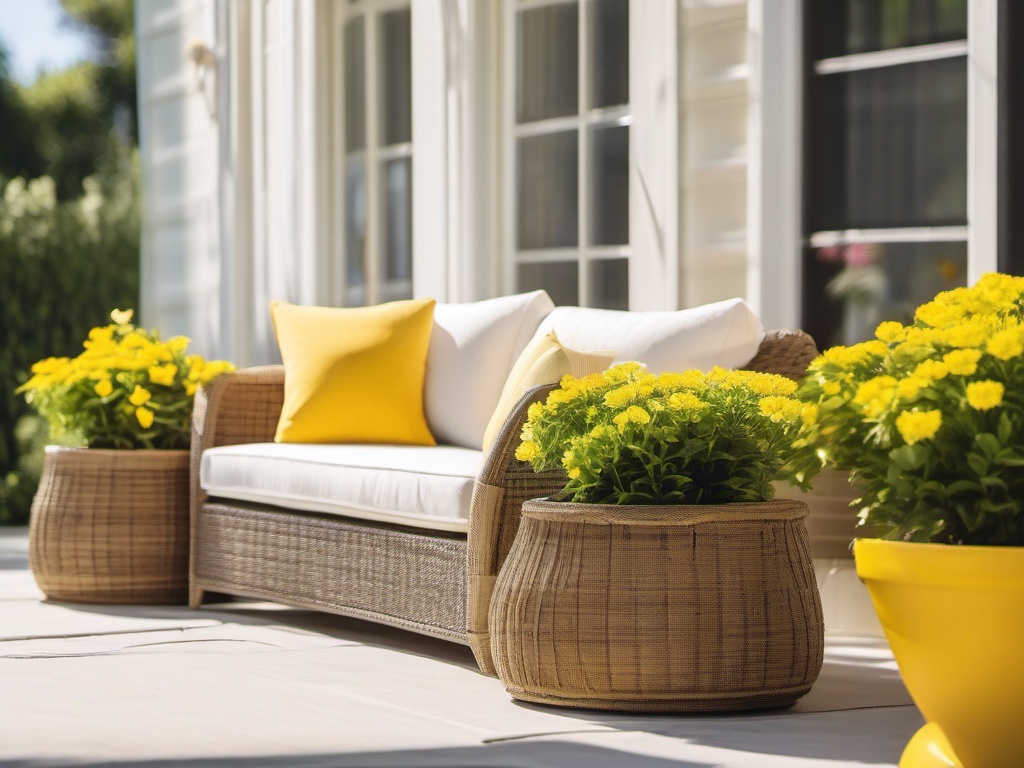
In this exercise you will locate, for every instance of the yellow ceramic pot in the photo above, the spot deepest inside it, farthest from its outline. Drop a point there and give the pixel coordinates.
(954, 616)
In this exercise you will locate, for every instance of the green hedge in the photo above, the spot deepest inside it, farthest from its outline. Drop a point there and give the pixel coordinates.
(63, 267)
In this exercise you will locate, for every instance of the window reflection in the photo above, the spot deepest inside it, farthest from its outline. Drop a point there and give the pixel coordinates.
(560, 279)
(547, 187)
(396, 77)
(889, 147)
(856, 26)
(609, 283)
(398, 220)
(867, 283)
(547, 52)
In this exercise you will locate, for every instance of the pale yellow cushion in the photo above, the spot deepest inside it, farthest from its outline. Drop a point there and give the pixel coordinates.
(354, 375)
(544, 361)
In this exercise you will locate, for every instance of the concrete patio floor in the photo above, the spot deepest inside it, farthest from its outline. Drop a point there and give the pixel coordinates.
(255, 684)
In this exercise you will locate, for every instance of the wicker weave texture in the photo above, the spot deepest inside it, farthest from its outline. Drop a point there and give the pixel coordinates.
(659, 608)
(413, 579)
(112, 526)
(505, 483)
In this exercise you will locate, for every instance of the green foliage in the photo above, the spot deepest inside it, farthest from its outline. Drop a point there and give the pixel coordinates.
(629, 437)
(18, 148)
(110, 23)
(929, 418)
(63, 265)
(73, 135)
(75, 122)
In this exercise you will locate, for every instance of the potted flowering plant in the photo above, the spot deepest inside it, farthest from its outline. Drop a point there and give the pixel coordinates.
(626, 436)
(127, 389)
(664, 548)
(929, 419)
(110, 519)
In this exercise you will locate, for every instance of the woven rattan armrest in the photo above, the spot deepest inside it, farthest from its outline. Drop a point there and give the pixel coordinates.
(239, 407)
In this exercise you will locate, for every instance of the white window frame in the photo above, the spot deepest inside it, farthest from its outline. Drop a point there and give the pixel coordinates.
(585, 120)
(375, 289)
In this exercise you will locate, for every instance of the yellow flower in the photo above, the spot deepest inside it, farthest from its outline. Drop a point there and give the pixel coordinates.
(891, 331)
(527, 451)
(962, 362)
(1006, 344)
(809, 414)
(831, 388)
(139, 396)
(163, 374)
(634, 392)
(533, 412)
(876, 395)
(145, 417)
(915, 426)
(632, 415)
(931, 370)
(771, 384)
(623, 372)
(780, 408)
(908, 389)
(985, 395)
(574, 473)
(685, 401)
(122, 316)
(104, 387)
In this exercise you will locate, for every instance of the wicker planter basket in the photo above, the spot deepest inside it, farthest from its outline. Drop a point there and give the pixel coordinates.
(112, 526)
(659, 608)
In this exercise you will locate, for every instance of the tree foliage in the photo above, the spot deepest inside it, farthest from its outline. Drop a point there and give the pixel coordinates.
(69, 221)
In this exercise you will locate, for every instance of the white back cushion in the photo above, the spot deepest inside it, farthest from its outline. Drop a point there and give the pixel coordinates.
(726, 333)
(472, 350)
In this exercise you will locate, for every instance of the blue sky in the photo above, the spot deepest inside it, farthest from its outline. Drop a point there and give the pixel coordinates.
(32, 33)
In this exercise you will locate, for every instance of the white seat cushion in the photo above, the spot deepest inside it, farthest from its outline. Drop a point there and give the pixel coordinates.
(421, 486)
(726, 333)
(472, 350)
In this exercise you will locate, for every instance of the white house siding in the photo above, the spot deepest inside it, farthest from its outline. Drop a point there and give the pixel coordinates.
(180, 254)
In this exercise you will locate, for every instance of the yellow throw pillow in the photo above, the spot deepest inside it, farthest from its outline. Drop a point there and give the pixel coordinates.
(354, 375)
(544, 361)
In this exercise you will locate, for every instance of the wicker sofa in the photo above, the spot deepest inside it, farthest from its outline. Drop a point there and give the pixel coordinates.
(437, 582)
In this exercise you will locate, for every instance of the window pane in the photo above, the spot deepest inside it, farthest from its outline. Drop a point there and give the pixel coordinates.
(610, 21)
(547, 62)
(546, 190)
(355, 230)
(849, 290)
(396, 77)
(397, 175)
(855, 26)
(609, 186)
(888, 147)
(609, 284)
(560, 279)
(355, 85)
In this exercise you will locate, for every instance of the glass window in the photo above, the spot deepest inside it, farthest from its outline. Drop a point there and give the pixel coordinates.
(395, 53)
(609, 186)
(890, 146)
(849, 290)
(885, 161)
(568, 137)
(559, 278)
(843, 27)
(547, 82)
(609, 77)
(377, 108)
(547, 184)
